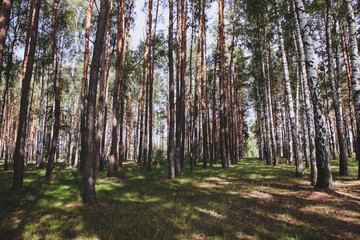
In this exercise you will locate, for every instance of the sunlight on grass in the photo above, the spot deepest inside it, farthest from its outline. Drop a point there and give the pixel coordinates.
(247, 201)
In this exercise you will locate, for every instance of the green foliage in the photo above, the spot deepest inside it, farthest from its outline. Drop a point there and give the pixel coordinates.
(160, 157)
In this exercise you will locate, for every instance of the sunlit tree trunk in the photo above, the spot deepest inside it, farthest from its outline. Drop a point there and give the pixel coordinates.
(84, 87)
(117, 88)
(171, 94)
(106, 96)
(222, 79)
(322, 154)
(307, 98)
(290, 103)
(348, 76)
(9, 76)
(355, 66)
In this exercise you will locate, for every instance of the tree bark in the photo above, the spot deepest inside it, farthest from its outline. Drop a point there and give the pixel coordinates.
(89, 195)
(171, 159)
(290, 103)
(84, 87)
(106, 100)
(322, 154)
(117, 88)
(51, 161)
(355, 67)
(20, 140)
(151, 90)
(307, 104)
(222, 79)
(335, 95)
(5, 12)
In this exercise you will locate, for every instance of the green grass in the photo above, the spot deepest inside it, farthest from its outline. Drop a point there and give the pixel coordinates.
(247, 201)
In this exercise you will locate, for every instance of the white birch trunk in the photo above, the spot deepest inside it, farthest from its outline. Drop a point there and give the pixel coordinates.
(307, 101)
(290, 103)
(322, 153)
(355, 67)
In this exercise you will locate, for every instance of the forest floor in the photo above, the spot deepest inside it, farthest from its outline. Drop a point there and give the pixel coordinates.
(247, 201)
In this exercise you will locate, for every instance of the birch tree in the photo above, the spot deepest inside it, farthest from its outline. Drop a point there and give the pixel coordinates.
(289, 98)
(355, 67)
(322, 153)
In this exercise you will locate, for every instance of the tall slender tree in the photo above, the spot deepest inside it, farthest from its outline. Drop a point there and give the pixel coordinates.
(89, 195)
(322, 153)
(355, 67)
(117, 87)
(54, 142)
(222, 80)
(171, 156)
(84, 86)
(335, 94)
(25, 88)
(289, 98)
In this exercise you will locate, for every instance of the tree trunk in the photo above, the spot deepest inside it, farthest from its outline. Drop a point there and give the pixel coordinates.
(222, 78)
(124, 83)
(20, 140)
(151, 90)
(171, 159)
(5, 12)
(335, 95)
(6, 133)
(290, 103)
(84, 87)
(355, 77)
(89, 195)
(117, 88)
(50, 165)
(100, 114)
(322, 154)
(103, 139)
(308, 105)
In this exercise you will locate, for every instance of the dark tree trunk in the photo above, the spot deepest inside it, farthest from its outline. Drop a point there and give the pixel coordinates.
(50, 165)
(20, 140)
(89, 195)
(5, 12)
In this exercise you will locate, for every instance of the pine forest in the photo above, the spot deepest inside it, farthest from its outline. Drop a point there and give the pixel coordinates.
(188, 119)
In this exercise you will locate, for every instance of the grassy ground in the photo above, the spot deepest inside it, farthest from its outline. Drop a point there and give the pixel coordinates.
(247, 201)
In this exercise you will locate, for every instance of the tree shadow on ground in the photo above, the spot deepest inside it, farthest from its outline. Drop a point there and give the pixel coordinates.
(248, 201)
